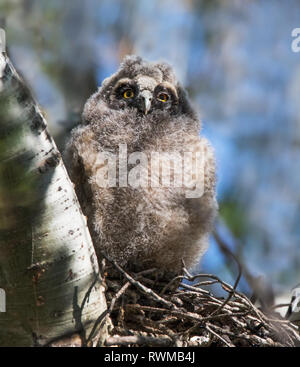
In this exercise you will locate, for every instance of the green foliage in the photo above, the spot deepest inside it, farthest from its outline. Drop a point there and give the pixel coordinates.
(235, 216)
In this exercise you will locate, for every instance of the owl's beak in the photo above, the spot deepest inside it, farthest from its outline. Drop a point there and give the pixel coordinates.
(145, 104)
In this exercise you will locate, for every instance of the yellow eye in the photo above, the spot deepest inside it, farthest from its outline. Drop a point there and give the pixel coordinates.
(163, 97)
(128, 93)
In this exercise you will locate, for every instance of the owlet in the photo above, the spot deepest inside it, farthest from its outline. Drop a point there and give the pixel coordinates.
(144, 175)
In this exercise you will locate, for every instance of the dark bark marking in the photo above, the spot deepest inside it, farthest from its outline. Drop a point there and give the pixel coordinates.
(50, 162)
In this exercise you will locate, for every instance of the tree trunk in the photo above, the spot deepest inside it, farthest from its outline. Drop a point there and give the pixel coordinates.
(48, 267)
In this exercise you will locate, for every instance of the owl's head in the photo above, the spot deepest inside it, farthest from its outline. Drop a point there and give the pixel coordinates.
(144, 86)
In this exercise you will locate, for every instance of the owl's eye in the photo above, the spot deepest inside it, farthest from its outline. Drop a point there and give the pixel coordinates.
(128, 93)
(163, 97)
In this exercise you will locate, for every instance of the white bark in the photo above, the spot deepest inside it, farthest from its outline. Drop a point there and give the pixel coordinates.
(48, 267)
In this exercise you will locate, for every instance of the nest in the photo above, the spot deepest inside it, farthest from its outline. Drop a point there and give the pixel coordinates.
(149, 308)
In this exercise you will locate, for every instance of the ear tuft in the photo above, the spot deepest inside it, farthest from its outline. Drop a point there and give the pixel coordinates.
(167, 71)
(184, 103)
(130, 61)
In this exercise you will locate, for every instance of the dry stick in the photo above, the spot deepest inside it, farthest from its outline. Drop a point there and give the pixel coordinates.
(280, 305)
(139, 285)
(187, 315)
(217, 237)
(259, 314)
(241, 301)
(107, 312)
(237, 294)
(117, 296)
(195, 289)
(208, 282)
(219, 336)
(272, 325)
(160, 328)
(146, 272)
(228, 288)
(170, 283)
(265, 294)
(253, 338)
(225, 285)
(138, 339)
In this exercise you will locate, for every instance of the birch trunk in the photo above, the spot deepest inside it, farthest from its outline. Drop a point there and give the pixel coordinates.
(48, 267)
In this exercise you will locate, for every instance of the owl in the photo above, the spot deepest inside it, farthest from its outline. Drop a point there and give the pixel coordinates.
(117, 158)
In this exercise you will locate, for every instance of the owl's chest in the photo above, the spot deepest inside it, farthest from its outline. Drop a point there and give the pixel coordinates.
(142, 169)
(140, 134)
(143, 211)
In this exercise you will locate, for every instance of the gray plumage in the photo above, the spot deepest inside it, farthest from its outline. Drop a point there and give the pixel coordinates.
(142, 105)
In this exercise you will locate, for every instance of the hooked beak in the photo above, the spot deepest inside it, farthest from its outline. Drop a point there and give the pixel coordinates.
(145, 104)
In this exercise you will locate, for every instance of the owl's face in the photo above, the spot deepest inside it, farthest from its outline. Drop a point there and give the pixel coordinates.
(145, 94)
(144, 87)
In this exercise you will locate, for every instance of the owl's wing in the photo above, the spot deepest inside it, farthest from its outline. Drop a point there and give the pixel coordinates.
(209, 167)
(76, 157)
(201, 202)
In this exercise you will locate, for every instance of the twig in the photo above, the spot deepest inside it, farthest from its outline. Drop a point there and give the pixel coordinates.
(193, 315)
(139, 285)
(231, 293)
(138, 339)
(218, 336)
(184, 315)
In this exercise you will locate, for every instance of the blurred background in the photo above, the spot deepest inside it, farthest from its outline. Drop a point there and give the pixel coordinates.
(235, 59)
